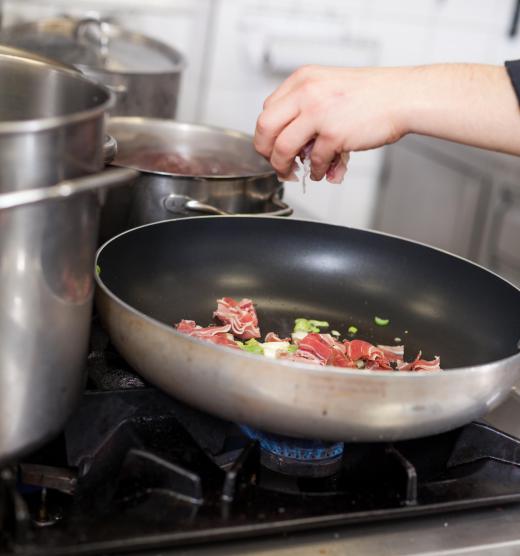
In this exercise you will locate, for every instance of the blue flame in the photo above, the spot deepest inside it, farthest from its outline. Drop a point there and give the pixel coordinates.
(295, 448)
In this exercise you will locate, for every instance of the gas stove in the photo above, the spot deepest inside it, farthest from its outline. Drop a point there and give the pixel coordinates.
(137, 470)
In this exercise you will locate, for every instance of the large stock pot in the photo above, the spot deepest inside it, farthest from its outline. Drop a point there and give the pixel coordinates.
(144, 73)
(51, 146)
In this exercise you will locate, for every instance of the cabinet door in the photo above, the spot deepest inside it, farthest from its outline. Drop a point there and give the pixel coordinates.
(430, 199)
(503, 242)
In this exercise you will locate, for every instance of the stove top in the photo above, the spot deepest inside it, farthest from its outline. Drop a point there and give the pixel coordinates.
(135, 469)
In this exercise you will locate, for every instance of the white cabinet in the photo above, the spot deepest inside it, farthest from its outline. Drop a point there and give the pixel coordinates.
(502, 242)
(463, 200)
(431, 199)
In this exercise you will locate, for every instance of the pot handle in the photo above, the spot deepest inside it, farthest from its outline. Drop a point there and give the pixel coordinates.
(283, 208)
(90, 31)
(178, 203)
(109, 149)
(68, 188)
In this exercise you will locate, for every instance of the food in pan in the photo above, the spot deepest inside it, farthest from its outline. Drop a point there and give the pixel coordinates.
(307, 344)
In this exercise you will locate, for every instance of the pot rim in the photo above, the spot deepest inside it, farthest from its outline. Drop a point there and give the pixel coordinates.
(135, 122)
(177, 58)
(51, 122)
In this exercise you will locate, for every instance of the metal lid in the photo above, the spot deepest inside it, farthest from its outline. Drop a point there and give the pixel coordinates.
(188, 150)
(94, 44)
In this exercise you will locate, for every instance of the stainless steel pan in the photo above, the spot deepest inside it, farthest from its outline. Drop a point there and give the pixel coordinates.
(153, 276)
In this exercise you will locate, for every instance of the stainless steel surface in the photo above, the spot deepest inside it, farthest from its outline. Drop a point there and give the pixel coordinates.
(179, 204)
(20, 53)
(298, 399)
(109, 149)
(159, 196)
(66, 189)
(51, 130)
(47, 246)
(491, 532)
(144, 74)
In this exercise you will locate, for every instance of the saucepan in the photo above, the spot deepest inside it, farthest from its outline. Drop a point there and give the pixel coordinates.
(187, 170)
(153, 276)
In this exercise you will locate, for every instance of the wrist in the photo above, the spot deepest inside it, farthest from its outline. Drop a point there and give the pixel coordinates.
(413, 99)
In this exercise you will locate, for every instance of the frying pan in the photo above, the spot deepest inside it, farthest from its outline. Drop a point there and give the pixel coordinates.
(153, 276)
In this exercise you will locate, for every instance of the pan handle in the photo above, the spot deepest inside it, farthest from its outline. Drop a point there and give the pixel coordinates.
(178, 203)
(68, 188)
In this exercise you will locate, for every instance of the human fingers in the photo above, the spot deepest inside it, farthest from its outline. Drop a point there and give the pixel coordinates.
(272, 121)
(338, 168)
(289, 143)
(324, 152)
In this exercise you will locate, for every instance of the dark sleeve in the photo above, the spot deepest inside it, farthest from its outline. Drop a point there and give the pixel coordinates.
(513, 70)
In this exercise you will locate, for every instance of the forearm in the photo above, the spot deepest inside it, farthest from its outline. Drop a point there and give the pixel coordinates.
(468, 103)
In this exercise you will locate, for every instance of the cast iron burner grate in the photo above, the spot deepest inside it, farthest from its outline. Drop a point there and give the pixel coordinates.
(137, 470)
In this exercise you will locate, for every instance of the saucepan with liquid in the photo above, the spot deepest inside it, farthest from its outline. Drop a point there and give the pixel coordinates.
(187, 170)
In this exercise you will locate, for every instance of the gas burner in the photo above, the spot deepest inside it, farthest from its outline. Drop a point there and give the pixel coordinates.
(297, 457)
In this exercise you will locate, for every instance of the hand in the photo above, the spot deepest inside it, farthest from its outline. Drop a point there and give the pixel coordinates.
(342, 109)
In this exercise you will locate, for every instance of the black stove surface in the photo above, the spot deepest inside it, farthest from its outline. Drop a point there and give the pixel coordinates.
(137, 470)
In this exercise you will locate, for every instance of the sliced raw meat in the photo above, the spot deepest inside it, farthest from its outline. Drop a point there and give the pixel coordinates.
(241, 315)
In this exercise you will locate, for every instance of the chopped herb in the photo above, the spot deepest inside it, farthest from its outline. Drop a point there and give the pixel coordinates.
(253, 346)
(352, 329)
(305, 325)
(98, 270)
(335, 333)
(381, 322)
(292, 349)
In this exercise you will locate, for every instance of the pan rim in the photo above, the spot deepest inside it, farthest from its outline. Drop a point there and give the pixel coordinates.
(130, 122)
(302, 367)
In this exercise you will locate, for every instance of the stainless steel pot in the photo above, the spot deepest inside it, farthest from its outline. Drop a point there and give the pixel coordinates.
(47, 248)
(248, 186)
(51, 124)
(51, 131)
(143, 73)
